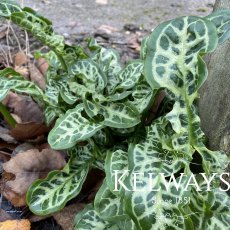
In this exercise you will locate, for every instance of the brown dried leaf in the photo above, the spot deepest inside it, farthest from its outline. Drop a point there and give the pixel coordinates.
(20, 59)
(28, 131)
(27, 167)
(65, 218)
(107, 29)
(36, 76)
(5, 135)
(134, 43)
(24, 107)
(23, 70)
(42, 65)
(15, 225)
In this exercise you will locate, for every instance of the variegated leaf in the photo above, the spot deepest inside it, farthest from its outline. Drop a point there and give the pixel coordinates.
(209, 209)
(144, 48)
(108, 205)
(119, 96)
(108, 60)
(90, 74)
(90, 219)
(172, 58)
(126, 224)
(123, 132)
(142, 97)
(145, 202)
(103, 137)
(221, 19)
(130, 75)
(11, 80)
(51, 57)
(115, 164)
(119, 115)
(72, 128)
(52, 92)
(52, 193)
(51, 113)
(173, 61)
(7, 7)
(40, 27)
(66, 94)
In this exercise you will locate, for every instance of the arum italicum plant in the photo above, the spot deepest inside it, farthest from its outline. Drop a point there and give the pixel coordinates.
(94, 100)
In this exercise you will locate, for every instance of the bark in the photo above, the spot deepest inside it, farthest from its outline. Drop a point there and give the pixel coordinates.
(214, 102)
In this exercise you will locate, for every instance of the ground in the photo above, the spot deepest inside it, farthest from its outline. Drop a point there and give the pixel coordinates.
(86, 16)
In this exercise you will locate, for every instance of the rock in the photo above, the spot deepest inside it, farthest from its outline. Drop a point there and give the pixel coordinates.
(131, 27)
(214, 106)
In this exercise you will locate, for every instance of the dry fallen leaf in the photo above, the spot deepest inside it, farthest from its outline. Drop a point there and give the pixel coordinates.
(20, 64)
(36, 76)
(134, 43)
(65, 217)
(24, 107)
(24, 71)
(27, 167)
(5, 135)
(15, 225)
(42, 65)
(28, 131)
(107, 29)
(20, 59)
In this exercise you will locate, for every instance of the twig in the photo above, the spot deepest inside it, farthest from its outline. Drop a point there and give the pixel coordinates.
(27, 44)
(5, 56)
(16, 38)
(7, 41)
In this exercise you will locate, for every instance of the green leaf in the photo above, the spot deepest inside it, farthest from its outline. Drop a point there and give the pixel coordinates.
(72, 128)
(52, 193)
(154, 155)
(130, 75)
(65, 92)
(108, 205)
(103, 137)
(144, 48)
(52, 59)
(90, 219)
(221, 20)
(90, 74)
(173, 54)
(8, 7)
(119, 96)
(209, 209)
(142, 97)
(119, 115)
(108, 60)
(11, 80)
(173, 62)
(40, 27)
(116, 161)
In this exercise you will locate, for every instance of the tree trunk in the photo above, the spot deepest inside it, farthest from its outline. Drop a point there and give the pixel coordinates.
(214, 102)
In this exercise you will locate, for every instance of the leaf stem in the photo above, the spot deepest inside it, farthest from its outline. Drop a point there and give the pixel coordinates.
(61, 59)
(7, 116)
